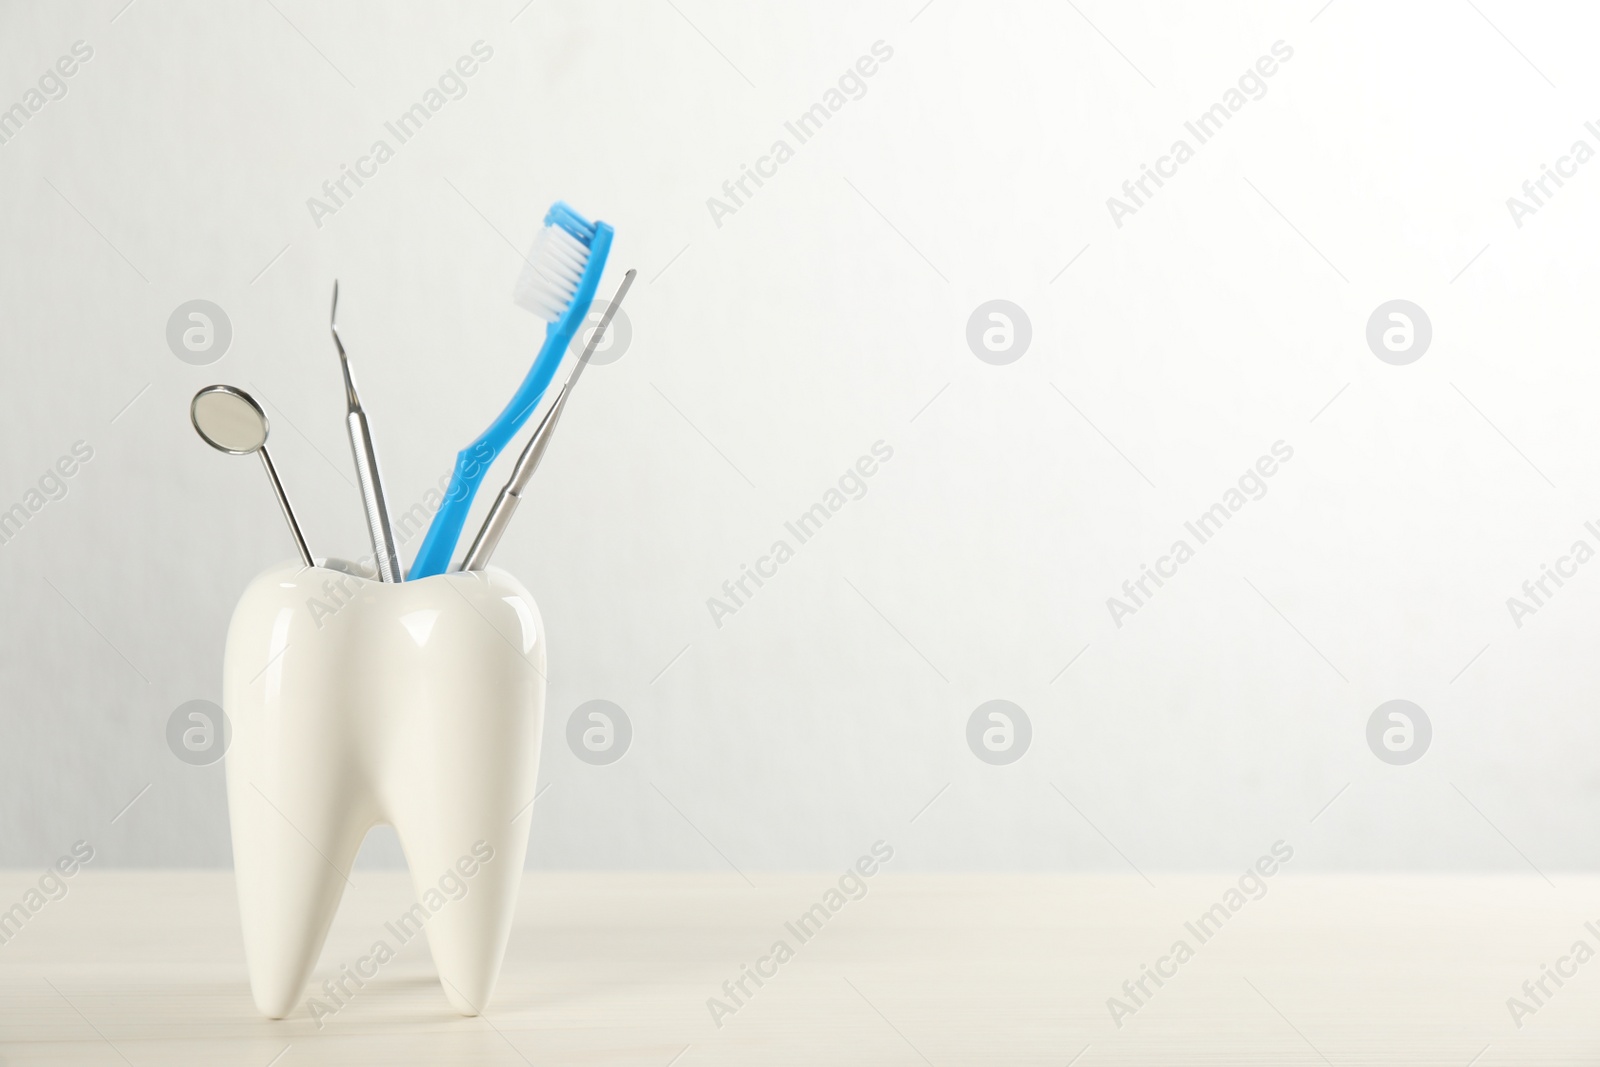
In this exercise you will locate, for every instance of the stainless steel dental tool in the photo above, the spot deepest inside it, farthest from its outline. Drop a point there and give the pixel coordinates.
(371, 484)
(229, 420)
(505, 505)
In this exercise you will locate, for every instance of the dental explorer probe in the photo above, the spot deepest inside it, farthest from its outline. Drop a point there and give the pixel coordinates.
(505, 505)
(383, 544)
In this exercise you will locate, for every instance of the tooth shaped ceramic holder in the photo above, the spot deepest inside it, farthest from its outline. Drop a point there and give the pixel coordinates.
(353, 703)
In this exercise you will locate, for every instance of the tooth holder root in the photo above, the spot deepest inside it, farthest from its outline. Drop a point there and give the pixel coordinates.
(355, 702)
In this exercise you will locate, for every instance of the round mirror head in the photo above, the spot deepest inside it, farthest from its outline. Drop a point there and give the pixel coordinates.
(229, 419)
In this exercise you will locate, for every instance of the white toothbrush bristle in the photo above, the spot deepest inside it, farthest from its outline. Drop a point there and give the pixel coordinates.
(549, 280)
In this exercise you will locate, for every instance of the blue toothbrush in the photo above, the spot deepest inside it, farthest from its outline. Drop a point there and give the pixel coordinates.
(558, 285)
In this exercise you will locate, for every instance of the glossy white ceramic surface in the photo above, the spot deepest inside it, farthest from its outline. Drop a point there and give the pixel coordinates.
(353, 703)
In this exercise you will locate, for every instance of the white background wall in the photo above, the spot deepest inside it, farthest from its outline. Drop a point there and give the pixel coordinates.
(771, 351)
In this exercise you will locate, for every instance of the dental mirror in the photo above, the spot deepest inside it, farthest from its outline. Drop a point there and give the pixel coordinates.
(229, 420)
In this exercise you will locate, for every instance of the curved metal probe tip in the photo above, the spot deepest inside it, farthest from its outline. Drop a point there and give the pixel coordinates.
(344, 360)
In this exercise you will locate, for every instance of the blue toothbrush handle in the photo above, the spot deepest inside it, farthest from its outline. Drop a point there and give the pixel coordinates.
(472, 463)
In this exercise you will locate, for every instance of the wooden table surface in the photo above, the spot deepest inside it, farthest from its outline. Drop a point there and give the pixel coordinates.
(147, 968)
